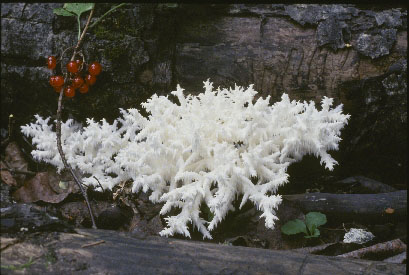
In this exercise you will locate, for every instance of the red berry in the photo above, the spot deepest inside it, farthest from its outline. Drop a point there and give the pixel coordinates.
(79, 62)
(56, 80)
(94, 68)
(77, 82)
(59, 80)
(72, 67)
(51, 62)
(69, 91)
(84, 89)
(52, 80)
(90, 79)
(57, 89)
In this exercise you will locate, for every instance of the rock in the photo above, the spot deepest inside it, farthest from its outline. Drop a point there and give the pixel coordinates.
(112, 218)
(376, 45)
(28, 217)
(329, 32)
(5, 198)
(380, 105)
(306, 14)
(389, 18)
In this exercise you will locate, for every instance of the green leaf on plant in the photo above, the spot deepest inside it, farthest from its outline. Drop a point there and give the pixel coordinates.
(294, 227)
(314, 235)
(78, 8)
(313, 220)
(63, 12)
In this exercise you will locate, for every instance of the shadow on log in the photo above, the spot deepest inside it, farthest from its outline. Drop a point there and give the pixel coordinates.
(383, 207)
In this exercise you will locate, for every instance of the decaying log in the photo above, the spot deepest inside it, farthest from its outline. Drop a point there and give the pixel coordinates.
(383, 207)
(397, 259)
(366, 183)
(124, 253)
(394, 246)
(312, 249)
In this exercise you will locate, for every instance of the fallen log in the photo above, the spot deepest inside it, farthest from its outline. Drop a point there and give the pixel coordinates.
(394, 246)
(367, 184)
(397, 259)
(383, 207)
(124, 253)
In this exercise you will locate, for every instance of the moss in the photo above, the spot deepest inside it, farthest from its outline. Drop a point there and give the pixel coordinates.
(114, 52)
(115, 27)
(102, 32)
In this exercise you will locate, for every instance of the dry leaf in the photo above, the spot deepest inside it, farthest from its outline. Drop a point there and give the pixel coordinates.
(6, 176)
(389, 210)
(39, 189)
(15, 160)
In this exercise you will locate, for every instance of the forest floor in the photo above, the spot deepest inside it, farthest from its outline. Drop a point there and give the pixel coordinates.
(44, 222)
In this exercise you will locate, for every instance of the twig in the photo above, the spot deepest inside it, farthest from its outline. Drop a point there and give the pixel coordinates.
(58, 127)
(92, 244)
(105, 14)
(395, 245)
(13, 171)
(99, 184)
(11, 124)
(10, 128)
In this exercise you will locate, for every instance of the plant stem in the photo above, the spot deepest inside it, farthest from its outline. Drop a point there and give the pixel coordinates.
(108, 12)
(79, 27)
(58, 126)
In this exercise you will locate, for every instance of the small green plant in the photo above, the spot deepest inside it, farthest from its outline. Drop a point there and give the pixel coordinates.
(74, 9)
(309, 227)
(19, 267)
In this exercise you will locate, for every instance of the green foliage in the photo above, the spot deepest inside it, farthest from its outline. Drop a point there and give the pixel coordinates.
(19, 267)
(294, 227)
(309, 227)
(73, 9)
(76, 9)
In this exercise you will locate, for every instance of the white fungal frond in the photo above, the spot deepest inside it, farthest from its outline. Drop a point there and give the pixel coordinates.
(205, 150)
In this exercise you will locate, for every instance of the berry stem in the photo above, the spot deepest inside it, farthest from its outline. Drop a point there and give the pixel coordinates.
(79, 27)
(58, 126)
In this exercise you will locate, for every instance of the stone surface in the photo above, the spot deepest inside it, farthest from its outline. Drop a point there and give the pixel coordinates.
(377, 136)
(307, 51)
(5, 198)
(376, 45)
(31, 218)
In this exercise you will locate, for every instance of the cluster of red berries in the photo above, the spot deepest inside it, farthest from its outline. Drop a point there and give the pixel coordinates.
(76, 80)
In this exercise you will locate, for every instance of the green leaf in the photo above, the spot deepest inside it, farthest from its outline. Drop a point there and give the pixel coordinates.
(316, 219)
(63, 12)
(315, 235)
(294, 227)
(78, 8)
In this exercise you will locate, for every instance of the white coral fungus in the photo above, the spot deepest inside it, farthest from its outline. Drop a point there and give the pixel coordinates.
(358, 235)
(209, 148)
